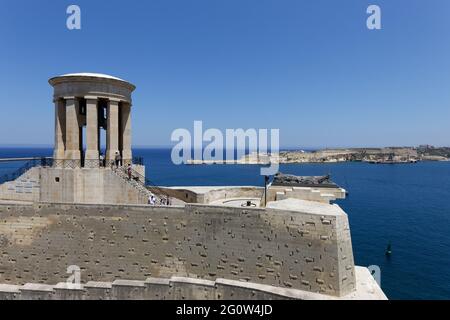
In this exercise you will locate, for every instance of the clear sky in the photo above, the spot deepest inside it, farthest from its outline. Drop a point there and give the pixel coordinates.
(308, 67)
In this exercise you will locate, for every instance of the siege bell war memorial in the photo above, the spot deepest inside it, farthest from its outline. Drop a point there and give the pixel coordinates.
(88, 209)
(93, 102)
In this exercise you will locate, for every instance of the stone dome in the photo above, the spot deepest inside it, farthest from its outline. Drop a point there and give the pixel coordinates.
(91, 84)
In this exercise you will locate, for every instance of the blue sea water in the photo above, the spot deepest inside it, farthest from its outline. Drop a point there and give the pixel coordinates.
(407, 205)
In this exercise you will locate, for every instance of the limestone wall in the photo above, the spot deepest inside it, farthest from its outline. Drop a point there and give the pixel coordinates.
(227, 193)
(86, 186)
(206, 195)
(187, 196)
(24, 188)
(307, 251)
(175, 288)
(324, 195)
(181, 288)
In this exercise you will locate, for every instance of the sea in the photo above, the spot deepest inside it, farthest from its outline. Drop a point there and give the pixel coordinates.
(406, 205)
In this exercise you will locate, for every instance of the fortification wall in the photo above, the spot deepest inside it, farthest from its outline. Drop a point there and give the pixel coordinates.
(306, 251)
(181, 288)
(324, 195)
(176, 288)
(24, 188)
(84, 185)
(197, 195)
(187, 196)
(229, 193)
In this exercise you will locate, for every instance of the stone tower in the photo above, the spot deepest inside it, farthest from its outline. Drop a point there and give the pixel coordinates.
(86, 104)
(94, 102)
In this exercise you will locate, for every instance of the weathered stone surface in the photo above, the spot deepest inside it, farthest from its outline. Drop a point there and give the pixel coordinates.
(177, 288)
(127, 242)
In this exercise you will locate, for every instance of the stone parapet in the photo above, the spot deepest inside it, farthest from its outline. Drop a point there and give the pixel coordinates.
(178, 288)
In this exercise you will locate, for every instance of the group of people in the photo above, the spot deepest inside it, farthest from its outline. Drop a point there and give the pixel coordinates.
(152, 200)
(117, 160)
(117, 163)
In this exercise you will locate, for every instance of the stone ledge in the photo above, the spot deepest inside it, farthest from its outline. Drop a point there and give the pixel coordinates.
(157, 281)
(129, 283)
(69, 286)
(306, 207)
(191, 281)
(367, 289)
(8, 288)
(98, 285)
(37, 287)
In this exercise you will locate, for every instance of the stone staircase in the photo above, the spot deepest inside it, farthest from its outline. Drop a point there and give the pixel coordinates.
(138, 182)
(135, 183)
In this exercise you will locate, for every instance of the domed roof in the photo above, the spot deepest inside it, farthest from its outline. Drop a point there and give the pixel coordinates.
(88, 76)
(95, 75)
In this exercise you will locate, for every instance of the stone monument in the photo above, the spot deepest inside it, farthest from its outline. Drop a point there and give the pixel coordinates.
(86, 103)
(94, 102)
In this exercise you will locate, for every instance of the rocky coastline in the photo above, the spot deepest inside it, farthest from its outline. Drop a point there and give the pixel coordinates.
(388, 155)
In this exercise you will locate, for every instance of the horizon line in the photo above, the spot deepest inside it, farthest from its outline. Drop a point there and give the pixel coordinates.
(51, 146)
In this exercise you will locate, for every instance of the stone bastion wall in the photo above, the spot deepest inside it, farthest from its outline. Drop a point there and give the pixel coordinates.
(300, 250)
(175, 288)
(182, 288)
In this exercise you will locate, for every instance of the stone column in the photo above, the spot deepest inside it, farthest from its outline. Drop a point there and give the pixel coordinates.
(60, 131)
(72, 153)
(92, 158)
(112, 130)
(125, 133)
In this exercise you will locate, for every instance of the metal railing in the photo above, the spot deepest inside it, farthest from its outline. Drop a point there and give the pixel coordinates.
(42, 162)
(74, 164)
(100, 163)
(138, 161)
(144, 182)
(48, 162)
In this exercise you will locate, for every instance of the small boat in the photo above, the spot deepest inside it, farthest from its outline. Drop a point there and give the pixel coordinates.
(389, 249)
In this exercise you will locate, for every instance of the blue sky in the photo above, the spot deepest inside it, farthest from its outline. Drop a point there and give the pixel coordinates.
(310, 68)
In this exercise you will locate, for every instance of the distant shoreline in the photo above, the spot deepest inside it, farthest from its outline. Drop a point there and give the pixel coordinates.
(390, 155)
